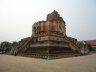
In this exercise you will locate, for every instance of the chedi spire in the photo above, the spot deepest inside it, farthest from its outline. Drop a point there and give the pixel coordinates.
(54, 16)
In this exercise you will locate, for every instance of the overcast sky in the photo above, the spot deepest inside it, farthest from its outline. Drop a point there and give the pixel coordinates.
(18, 16)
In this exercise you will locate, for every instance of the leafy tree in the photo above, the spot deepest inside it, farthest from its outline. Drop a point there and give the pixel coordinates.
(14, 44)
(90, 48)
(5, 46)
(0, 48)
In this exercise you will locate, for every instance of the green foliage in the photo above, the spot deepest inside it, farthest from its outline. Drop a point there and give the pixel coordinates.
(89, 47)
(6, 47)
(94, 48)
(14, 44)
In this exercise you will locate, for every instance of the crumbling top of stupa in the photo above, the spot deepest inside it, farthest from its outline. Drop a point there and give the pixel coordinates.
(54, 16)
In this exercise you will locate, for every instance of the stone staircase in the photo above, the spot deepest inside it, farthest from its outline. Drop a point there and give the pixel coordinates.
(22, 47)
(74, 45)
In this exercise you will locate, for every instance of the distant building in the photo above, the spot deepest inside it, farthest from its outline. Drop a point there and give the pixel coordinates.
(49, 40)
(92, 43)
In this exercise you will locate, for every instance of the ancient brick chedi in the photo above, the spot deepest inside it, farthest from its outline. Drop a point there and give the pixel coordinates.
(49, 40)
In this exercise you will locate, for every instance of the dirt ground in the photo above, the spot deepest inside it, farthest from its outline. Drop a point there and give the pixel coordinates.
(10, 63)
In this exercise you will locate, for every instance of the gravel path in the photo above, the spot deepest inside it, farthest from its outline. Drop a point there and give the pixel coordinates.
(10, 63)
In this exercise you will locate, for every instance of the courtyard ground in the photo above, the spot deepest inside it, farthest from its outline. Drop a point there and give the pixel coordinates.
(10, 63)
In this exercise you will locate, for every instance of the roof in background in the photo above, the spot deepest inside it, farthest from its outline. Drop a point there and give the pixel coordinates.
(91, 42)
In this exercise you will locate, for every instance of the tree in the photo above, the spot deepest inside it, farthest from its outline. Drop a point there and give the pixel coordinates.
(5, 46)
(90, 48)
(14, 47)
(0, 46)
(14, 44)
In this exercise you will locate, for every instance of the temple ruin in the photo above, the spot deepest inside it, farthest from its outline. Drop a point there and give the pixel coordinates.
(49, 40)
